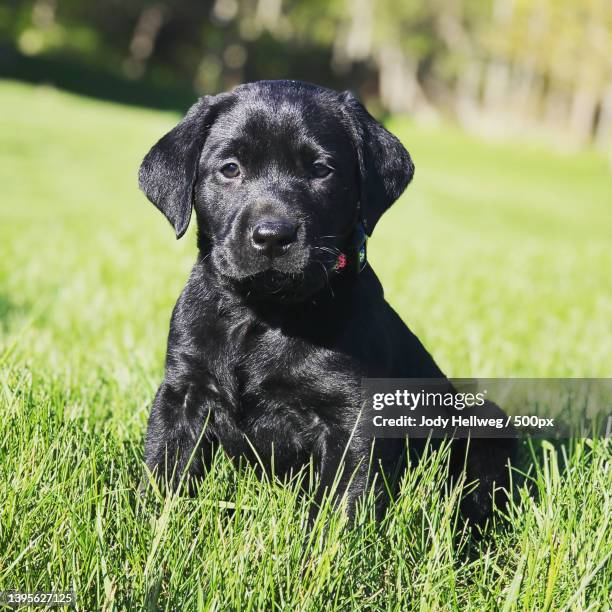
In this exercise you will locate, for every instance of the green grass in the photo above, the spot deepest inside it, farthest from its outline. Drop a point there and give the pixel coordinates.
(498, 257)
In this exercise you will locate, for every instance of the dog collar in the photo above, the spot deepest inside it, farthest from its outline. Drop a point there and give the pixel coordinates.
(358, 247)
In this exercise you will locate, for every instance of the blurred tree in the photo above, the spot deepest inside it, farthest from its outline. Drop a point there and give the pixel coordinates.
(494, 64)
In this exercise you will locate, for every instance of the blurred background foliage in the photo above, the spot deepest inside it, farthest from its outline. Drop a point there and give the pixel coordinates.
(540, 67)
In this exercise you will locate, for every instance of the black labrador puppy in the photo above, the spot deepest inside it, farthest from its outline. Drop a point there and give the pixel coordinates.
(282, 316)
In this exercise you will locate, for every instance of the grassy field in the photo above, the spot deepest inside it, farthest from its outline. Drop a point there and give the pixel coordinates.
(498, 256)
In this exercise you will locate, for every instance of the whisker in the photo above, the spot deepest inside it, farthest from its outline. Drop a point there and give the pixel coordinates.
(327, 282)
(332, 250)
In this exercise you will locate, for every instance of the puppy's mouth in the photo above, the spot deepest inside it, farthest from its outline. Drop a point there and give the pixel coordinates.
(283, 279)
(275, 281)
(281, 286)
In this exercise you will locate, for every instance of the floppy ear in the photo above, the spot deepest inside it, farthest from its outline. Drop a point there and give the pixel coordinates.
(168, 172)
(384, 164)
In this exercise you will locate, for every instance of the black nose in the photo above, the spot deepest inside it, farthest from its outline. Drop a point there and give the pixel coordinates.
(274, 237)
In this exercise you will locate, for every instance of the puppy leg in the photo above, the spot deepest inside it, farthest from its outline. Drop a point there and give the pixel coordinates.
(485, 461)
(343, 472)
(174, 431)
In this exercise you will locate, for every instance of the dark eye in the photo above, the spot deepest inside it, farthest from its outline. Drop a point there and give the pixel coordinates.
(320, 170)
(230, 170)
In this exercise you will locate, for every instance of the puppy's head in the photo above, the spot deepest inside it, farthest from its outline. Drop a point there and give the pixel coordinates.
(279, 174)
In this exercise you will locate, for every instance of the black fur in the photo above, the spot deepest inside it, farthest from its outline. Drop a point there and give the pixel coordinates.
(268, 343)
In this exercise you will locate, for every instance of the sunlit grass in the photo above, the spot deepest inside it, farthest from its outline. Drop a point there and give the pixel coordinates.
(498, 257)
